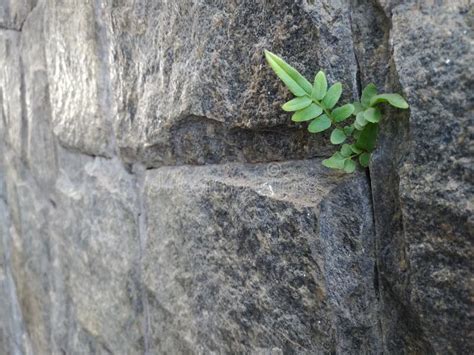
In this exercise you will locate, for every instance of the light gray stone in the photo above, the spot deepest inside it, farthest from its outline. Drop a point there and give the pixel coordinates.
(13, 336)
(11, 90)
(97, 248)
(39, 143)
(26, 250)
(75, 77)
(13, 13)
(242, 257)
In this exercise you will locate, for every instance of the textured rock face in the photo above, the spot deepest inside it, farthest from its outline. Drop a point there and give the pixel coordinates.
(256, 266)
(204, 94)
(76, 82)
(13, 13)
(155, 199)
(437, 175)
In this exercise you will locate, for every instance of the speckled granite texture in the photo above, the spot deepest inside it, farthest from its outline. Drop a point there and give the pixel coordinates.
(155, 199)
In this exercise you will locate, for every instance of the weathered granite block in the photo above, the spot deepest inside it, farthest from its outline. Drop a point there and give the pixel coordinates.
(246, 257)
(13, 13)
(434, 52)
(97, 250)
(192, 74)
(39, 142)
(77, 89)
(11, 90)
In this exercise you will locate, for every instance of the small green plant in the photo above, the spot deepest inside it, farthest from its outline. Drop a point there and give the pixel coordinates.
(316, 104)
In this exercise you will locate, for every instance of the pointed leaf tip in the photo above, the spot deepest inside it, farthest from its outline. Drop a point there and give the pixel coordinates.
(275, 61)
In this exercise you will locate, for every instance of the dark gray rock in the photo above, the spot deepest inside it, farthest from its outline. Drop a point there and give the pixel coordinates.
(413, 167)
(240, 258)
(348, 244)
(433, 52)
(192, 74)
(99, 255)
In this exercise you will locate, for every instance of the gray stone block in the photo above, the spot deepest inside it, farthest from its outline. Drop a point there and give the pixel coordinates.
(76, 76)
(244, 257)
(13, 13)
(192, 85)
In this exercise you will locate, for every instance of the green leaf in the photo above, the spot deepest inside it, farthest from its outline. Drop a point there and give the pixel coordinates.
(295, 82)
(342, 113)
(357, 107)
(333, 95)
(393, 99)
(357, 132)
(346, 150)
(348, 130)
(360, 120)
(349, 166)
(358, 129)
(334, 162)
(320, 86)
(372, 115)
(320, 124)
(338, 136)
(355, 149)
(307, 113)
(367, 138)
(364, 159)
(297, 104)
(367, 94)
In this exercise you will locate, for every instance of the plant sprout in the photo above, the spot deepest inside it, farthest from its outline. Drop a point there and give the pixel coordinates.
(316, 104)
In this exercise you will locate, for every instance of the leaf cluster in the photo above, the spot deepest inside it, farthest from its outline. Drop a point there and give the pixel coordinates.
(317, 104)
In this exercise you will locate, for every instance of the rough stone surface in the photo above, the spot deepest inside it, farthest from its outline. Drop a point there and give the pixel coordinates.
(238, 258)
(11, 90)
(76, 87)
(13, 13)
(39, 142)
(97, 286)
(155, 199)
(192, 74)
(434, 52)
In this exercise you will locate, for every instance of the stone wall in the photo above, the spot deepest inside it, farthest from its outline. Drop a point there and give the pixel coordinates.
(155, 199)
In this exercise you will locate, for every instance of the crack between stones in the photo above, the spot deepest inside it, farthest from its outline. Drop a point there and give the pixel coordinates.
(5, 28)
(104, 79)
(232, 163)
(356, 57)
(376, 276)
(376, 279)
(24, 111)
(139, 171)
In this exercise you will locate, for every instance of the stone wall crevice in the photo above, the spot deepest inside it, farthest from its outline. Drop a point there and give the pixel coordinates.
(154, 197)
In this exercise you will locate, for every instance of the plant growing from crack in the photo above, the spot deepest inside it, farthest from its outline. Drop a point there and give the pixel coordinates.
(316, 104)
